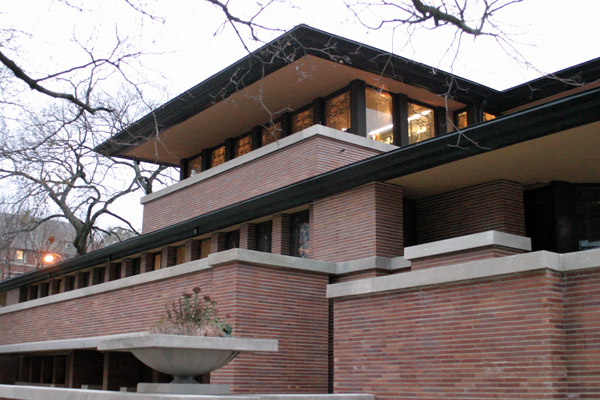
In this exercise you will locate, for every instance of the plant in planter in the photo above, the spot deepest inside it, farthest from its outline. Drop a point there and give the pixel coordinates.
(191, 340)
(193, 315)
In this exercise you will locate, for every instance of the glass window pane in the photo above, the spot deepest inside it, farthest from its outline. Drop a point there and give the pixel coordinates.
(157, 260)
(302, 120)
(179, 255)
(217, 156)
(243, 145)
(194, 166)
(263, 236)
(420, 123)
(587, 209)
(232, 240)
(300, 235)
(271, 133)
(488, 117)
(204, 248)
(337, 112)
(380, 125)
(461, 120)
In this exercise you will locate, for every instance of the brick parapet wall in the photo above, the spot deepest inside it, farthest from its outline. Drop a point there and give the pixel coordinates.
(297, 162)
(494, 338)
(582, 325)
(358, 223)
(273, 303)
(496, 205)
(262, 302)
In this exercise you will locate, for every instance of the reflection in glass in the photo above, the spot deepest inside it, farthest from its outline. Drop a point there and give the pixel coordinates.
(263, 236)
(380, 126)
(300, 235)
(420, 123)
(302, 120)
(271, 133)
(337, 112)
(194, 166)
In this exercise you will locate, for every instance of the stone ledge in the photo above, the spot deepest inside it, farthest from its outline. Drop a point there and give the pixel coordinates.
(146, 340)
(88, 343)
(315, 130)
(376, 262)
(467, 271)
(270, 260)
(467, 242)
(36, 393)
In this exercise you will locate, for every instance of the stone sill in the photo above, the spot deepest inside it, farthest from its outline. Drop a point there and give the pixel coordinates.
(315, 130)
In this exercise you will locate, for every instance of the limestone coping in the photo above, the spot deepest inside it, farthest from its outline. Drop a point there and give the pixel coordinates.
(468, 242)
(147, 340)
(215, 259)
(315, 130)
(87, 343)
(128, 341)
(51, 393)
(467, 271)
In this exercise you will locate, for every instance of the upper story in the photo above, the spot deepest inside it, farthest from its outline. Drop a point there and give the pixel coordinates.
(351, 153)
(242, 132)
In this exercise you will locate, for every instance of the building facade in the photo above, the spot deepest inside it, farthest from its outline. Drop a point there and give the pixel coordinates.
(401, 231)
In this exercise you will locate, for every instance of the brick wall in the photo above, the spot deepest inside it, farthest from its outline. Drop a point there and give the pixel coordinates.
(297, 162)
(496, 338)
(582, 324)
(281, 304)
(358, 223)
(288, 305)
(494, 205)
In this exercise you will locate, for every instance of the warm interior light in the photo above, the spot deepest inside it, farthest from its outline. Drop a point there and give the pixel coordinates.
(49, 258)
(377, 131)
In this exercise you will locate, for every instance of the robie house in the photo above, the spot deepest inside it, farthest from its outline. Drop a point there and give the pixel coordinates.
(402, 232)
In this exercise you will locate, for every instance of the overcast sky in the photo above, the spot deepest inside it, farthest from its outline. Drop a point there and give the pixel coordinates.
(189, 44)
(551, 34)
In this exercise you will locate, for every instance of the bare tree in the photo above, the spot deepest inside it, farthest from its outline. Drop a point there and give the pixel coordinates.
(54, 163)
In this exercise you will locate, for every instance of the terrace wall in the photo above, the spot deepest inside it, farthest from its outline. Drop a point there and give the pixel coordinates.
(262, 302)
(527, 335)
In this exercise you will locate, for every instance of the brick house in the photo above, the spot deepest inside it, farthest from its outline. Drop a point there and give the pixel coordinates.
(399, 237)
(23, 248)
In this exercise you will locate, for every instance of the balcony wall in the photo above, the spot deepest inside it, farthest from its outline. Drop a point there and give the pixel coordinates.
(261, 301)
(300, 156)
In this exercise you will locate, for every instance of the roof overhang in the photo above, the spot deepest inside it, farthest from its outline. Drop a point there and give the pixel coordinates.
(292, 86)
(556, 140)
(284, 53)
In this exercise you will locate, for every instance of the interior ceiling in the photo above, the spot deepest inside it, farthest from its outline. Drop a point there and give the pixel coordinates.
(289, 88)
(569, 156)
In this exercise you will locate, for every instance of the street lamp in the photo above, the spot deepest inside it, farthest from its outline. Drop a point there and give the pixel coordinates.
(51, 258)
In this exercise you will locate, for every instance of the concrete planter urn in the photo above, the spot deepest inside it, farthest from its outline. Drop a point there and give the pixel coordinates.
(184, 357)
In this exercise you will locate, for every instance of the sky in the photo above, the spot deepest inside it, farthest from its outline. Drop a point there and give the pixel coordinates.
(188, 43)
